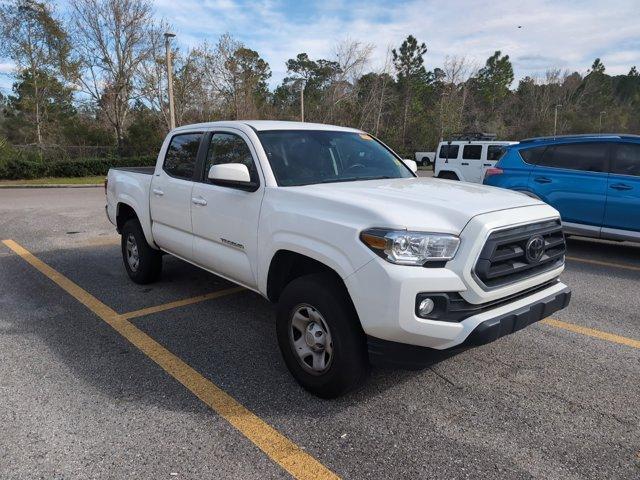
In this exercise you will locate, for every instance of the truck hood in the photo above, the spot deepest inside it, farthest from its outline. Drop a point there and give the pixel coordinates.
(415, 203)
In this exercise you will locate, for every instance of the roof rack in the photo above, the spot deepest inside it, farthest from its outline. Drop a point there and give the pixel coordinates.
(473, 136)
(581, 136)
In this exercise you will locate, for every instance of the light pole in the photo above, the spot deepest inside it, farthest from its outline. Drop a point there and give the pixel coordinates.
(302, 83)
(601, 115)
(444, 94)
(167, 45)
(555, 120)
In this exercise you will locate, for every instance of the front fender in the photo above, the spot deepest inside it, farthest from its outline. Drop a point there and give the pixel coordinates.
(328, 254)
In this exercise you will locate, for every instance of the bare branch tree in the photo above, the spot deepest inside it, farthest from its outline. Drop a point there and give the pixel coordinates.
(112, 38)
(351, 57)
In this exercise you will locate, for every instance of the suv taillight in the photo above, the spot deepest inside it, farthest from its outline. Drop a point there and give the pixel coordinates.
(493, 171)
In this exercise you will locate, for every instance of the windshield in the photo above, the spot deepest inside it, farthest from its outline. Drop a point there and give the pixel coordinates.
(304, 157)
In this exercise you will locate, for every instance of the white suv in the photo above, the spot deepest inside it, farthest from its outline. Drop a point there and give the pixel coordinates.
(467, 160)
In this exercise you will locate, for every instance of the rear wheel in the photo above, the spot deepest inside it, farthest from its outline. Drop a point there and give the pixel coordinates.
(142, 262)
(320, 336)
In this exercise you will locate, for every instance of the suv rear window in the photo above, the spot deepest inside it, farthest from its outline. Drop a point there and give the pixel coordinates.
(472, 152)
(180, 160)
(449, 151)
(532, 155)
(495, 152)
(626, 159)
(589, 157)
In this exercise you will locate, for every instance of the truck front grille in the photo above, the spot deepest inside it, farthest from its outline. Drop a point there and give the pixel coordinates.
(513, 254)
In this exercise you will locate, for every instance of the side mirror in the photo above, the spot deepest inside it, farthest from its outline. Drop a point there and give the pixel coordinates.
(413, 166)
(232, 175)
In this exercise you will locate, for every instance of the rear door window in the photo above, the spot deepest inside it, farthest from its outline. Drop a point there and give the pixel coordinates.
(626, 159)
(180, 160)
(589, 157)
(449, 151)
(532, 155)
(472, 152)
(495, 152)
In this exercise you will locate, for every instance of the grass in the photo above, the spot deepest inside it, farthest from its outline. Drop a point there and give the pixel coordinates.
(94, 180)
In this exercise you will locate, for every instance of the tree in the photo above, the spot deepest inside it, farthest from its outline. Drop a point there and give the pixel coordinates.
(596, 93)
(249, 75)
(38, 44)
(597, 66)
(112, 39)
(453, 87)
(54, 105)
(316, 77)
(189, 92)
(235, 77)
(316, 74)
(495, 78)
(408, 61)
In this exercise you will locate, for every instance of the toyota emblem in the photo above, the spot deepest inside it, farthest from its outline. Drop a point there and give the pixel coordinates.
(534, 249)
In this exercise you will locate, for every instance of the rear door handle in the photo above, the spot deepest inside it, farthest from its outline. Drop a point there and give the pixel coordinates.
(158, 192)
(463, 163)
(542, 180)
(198, 201)
(621, 186)
(487, 164)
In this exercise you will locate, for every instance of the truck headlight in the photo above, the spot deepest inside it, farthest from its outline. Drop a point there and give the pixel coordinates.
(410, 248)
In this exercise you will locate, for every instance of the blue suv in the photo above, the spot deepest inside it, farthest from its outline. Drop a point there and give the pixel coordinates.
(592, 180)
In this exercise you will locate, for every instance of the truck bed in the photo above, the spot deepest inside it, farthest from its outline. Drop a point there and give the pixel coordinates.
(142, 170)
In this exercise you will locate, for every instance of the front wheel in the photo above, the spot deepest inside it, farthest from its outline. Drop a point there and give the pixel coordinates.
(142, 262)
(320, 336)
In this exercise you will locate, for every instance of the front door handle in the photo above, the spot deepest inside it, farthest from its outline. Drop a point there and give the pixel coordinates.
(463, 163)
(621, 186)
(158, 192)
(542, 180)
(198, 201)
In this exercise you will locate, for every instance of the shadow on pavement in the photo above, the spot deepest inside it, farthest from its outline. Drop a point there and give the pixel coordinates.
(230, 340)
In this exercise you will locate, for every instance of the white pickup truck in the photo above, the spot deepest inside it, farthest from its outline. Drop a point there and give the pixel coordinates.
(365, 260)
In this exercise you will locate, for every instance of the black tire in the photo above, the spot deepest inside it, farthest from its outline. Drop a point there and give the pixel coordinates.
(349, 363)
(448, 176)
(149, 266)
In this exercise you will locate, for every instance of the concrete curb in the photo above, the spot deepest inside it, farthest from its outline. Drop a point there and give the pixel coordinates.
(54, 185)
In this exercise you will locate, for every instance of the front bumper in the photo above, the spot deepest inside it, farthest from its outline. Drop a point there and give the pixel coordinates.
(488, 330)
(384, 296)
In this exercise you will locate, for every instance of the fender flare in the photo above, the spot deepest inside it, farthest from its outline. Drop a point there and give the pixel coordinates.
(317, 250)
(145, 221)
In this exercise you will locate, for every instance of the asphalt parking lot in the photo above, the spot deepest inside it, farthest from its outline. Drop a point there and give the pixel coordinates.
(100, 377)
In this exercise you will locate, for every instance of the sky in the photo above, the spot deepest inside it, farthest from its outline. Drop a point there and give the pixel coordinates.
(565, 34)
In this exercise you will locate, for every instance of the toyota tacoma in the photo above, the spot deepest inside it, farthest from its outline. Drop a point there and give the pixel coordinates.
(365, 260)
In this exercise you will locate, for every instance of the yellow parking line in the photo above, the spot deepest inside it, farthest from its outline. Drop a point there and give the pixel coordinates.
(279, 448)
(181, 303)
(591, 332)
(605, 264)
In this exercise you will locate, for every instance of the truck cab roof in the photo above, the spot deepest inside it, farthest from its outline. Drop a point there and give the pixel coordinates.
(266, 125)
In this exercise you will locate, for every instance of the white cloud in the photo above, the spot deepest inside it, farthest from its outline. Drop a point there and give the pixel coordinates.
(564, 34)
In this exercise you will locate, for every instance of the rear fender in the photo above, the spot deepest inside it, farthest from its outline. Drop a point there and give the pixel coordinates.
(142, 212)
